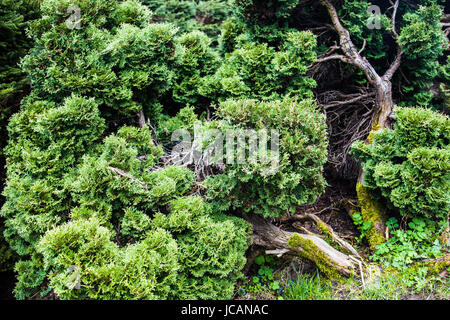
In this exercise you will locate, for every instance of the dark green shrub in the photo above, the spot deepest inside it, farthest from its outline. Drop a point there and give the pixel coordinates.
(423, 42)
(115, 56)
(295, 178)
(15, 17)
(46, 142)
(257, 70)
(109, 212)
(410, 165)
(231, 33)
(135, 236)
(194, 60)
(183, 120)
(189, 15)
(265, 21)
(145, 270)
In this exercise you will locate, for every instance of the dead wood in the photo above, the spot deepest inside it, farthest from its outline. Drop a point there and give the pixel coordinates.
(276, 241)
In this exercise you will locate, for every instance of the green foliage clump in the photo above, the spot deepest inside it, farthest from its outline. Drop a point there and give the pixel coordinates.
(423, 42)
(145, 270)
(232, 33)
(46, 142)
(185, 254)
(409, 165)
(266, 21)
(184, 121)
(129, 231)
(203, 15)
(115, 55)
(88, 200)
(211, 248)
(7, 255)
(256, 70)
(277, 187)
(195, 59)
(15, 17)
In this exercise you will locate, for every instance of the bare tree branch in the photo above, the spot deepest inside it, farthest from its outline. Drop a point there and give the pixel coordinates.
(336, 57)
(127, 175)
(394, 66)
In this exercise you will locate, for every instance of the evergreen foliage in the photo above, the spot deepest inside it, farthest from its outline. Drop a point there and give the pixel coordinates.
(277, 186)
(409, 165)
(417, 25)
(93, 203)
(195, 59)
(266, 21)
(190, 15)
(420, 36)
(257, 70)
(423, 42)
(68, 194)
(116, 56)
(14, 44)
(15, 16)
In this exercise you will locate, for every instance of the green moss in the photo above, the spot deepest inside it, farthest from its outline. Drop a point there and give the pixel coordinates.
(307, 249)
(373, 212)
(437, 266)
(375, 128)
(324, 228)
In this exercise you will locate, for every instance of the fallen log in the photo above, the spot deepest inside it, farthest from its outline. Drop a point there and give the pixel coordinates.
(333, 263)
(327, 230)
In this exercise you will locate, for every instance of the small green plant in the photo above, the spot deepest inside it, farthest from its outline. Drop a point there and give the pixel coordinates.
(265, 279)
(362, 226)
(406, 246)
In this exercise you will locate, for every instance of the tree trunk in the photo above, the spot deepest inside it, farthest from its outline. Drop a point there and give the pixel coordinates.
(371, 210)
(384, 106)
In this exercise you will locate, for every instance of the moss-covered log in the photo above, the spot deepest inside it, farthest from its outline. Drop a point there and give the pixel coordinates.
(333, 263)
